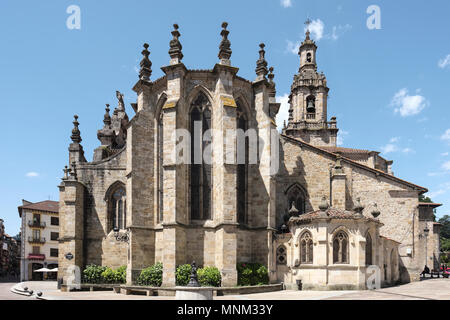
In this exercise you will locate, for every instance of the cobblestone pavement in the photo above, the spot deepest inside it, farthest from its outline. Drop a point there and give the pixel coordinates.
(422, 290)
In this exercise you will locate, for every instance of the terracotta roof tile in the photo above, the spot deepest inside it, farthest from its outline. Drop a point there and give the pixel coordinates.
(47, 206)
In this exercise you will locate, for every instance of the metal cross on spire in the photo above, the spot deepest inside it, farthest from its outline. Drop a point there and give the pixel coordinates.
(308, 22)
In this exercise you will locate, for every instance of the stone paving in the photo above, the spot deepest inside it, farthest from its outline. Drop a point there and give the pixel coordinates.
(422, 290)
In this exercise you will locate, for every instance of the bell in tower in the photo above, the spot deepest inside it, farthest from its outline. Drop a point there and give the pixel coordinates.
(308, 100)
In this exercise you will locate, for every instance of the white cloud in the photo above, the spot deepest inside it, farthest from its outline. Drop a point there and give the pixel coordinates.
(436, 193)
(446, 135)
(389, 148)
(444, 62)
(444, 154)
(394, 140)
(340, 137)
(292, 47)
(408, 150)
(316, 28)
(32, 174)
(446, 166)
(408, 105)
(286, 3)
(283, 113)
(339, 30)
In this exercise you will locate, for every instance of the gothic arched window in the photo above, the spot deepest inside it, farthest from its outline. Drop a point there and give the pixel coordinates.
(242, 161)
(368, 249)
(200, 175)
(297, 197)
(117, 204)
(340, 247)
(306, 248)
(281, 255)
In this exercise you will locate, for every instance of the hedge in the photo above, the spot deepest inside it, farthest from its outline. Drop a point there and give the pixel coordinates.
(151, 276)
(252, 274)
(101, 274)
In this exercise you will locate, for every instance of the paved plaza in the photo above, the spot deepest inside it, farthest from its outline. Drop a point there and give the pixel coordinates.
(430, 289)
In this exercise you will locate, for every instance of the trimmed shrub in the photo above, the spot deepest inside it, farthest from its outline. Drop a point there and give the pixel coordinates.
(99, 274)
(151, 276)
(108, 276)
(252, 274)
(183, 274)
(121, 274)
(93, 274)
(209, 277)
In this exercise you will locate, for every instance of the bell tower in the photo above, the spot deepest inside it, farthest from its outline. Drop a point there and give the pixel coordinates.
(308, 100)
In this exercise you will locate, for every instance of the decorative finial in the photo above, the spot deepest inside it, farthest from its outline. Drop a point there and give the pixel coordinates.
(146, 64)
(225, 45)
(271, 75)
(261, 64)
(66, 171)
(107, 117)
(73, 170)
(76, 136)
(338, 165)
(358, 206)
(323, 206)
(175, 46)
(293, 211)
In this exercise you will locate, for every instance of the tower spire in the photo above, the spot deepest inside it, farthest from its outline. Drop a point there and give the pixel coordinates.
(146, 64)
(175, 46)
(261, 63)
(107, 117)
(307, 23)
(76, 136)
(225, 46)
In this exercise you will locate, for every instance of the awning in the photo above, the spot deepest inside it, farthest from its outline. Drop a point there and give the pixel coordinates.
(42, 270)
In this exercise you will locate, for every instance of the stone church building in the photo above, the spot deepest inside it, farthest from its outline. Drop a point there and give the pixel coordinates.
(308, 210)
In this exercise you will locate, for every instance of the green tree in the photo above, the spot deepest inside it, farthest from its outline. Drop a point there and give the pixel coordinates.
(422, 198)
(445, 228)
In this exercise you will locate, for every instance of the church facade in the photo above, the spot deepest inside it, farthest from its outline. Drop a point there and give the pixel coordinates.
(169, 185)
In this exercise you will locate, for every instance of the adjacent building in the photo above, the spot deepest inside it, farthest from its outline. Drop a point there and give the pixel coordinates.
(40, 233)
(9, 254)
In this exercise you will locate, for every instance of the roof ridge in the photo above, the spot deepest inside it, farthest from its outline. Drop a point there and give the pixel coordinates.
(358, 164)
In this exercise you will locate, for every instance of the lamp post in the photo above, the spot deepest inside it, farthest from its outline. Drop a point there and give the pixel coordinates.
(426, 232)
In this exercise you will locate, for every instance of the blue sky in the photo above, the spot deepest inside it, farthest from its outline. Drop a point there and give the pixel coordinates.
(388, 86)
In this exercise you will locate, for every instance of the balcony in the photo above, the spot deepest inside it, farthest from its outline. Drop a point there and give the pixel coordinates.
(36, 256)
(36, 224)
(36, 240)
(310, 116)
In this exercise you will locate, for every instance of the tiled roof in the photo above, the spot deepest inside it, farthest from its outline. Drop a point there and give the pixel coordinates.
(47, 206)
(345, 150)
(355, 163)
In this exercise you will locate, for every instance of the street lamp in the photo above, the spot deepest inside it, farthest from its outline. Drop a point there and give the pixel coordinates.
(426, 231)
